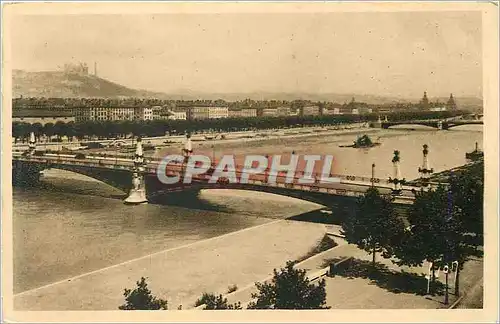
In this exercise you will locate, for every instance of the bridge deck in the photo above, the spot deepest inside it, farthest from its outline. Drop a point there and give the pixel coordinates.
(347, 186)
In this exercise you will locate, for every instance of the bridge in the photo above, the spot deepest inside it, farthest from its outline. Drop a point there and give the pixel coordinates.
(439, 124)
(137, 176)
(119, 173)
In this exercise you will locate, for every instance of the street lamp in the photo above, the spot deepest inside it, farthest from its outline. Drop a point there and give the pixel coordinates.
(373, 175)
(446, 270)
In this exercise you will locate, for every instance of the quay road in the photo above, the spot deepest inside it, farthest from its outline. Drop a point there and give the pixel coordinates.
(346, 185)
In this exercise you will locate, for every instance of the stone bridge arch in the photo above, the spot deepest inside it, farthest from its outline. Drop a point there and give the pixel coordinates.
(26, 171)
(451, 124)
(392, 124)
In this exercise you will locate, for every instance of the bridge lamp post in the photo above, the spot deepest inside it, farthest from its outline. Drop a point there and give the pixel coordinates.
(425, 171)
(397, 174)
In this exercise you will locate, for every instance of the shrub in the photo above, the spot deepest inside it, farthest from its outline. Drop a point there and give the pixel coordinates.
(212, 302)
(141, 298)
(290, 289)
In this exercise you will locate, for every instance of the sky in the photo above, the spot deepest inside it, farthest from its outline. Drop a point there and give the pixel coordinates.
(394, 54)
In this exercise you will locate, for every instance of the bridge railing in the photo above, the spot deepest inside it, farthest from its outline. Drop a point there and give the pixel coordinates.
(152, 164)
(175, 169)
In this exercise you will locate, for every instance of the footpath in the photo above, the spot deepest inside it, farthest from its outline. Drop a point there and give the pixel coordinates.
(397, 288)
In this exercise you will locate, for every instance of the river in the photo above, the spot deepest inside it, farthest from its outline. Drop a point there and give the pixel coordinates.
(74, 226)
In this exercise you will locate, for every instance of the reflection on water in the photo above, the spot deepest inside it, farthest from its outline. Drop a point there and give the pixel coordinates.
(74, 226)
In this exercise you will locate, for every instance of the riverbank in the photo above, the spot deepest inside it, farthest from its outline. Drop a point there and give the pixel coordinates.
(231, 137)
(182, 274)
(444, 176)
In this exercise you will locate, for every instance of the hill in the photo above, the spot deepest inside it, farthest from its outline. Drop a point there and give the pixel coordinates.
(71, 85)
(65, 85)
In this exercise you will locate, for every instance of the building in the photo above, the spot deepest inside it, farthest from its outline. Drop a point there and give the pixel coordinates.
(451, 104)
(157, 112)
(218, 112)
(43, 117)
(438, 108)
(310, 111)
(143, 113)
(177, 114)
(283, 111)
(364, 110)
(269, 112)
(331, 111)
(243, 113)
(114, 113)
(424, 103)
(199, 112)
(103, 113)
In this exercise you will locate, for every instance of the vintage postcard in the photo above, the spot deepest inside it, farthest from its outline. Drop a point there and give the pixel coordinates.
(250, 162)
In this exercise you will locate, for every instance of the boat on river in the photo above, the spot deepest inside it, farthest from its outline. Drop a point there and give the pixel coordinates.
(362, 142)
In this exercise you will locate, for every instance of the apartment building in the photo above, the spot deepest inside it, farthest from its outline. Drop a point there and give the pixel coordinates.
(43, 117)
(310, 111)
(243, 113)
(113, 113)
(208, 112)
(283, 111)
(177, 114)
(218, 112)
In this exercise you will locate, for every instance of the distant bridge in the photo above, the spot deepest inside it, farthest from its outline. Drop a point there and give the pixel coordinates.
(439, 124)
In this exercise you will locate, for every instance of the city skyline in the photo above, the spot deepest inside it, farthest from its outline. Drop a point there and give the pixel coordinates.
(437, 52)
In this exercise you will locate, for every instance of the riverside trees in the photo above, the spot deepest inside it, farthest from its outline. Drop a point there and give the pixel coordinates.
(375, 227)
(289, 289)
(149, 128)
(445, 224)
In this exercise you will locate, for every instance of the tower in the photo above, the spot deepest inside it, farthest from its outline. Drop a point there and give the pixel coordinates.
(425, 101)
(95, 68)
(451, 105)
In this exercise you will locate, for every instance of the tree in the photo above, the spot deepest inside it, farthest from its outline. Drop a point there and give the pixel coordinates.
(17, 131)
(60, 129)
(141, 298)
(38, 130)
(48, 129)
(435, 233)
(212, 302)
(375, 226)
(467, 193)
(289, 289)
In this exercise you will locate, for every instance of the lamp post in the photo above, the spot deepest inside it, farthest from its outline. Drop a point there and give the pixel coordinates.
(425, 171)
(446, 298)
(373, 175)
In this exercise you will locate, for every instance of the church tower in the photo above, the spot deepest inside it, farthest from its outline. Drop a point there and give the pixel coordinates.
(451, 104)
(424, 103)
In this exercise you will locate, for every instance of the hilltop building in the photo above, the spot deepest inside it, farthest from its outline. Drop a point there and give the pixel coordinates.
(79, 69)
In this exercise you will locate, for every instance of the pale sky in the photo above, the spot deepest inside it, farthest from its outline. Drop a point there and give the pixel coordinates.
(396, 54)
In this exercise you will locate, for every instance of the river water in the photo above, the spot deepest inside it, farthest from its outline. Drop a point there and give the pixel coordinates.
(74, 226)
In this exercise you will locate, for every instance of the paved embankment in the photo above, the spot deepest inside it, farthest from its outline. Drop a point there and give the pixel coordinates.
(182, 274)
(396, 288)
